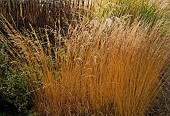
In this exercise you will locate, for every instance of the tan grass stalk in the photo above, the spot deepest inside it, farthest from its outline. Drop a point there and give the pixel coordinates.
(98, 72)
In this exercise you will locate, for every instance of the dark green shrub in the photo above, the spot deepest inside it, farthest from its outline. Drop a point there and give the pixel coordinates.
(13, 90)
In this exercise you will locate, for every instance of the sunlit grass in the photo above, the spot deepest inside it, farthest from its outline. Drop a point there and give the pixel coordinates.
(103, 68)
(95, 71)
(148, 12)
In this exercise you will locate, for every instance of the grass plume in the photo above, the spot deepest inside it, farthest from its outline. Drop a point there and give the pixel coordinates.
(99, 71)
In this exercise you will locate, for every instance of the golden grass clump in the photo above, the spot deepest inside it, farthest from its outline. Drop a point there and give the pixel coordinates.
(94, 71)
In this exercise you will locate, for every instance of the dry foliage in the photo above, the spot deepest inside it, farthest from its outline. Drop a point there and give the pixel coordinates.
(40, 13)
(95, 71)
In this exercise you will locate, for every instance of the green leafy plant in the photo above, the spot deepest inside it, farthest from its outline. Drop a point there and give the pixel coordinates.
(12, 87)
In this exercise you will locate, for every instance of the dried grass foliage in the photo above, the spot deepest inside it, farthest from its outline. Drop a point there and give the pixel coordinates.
(99, 71)
(41, 13)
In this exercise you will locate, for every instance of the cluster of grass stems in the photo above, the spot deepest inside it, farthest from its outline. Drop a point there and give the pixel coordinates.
(39, 13)
(97, 70)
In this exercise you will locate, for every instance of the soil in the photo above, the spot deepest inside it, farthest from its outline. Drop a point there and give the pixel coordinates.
(161, 105)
